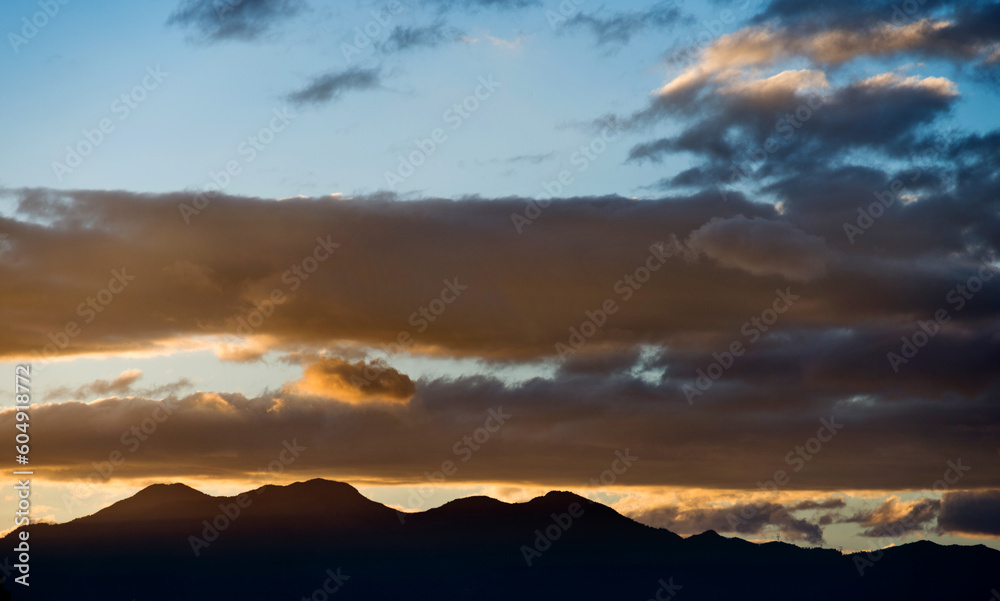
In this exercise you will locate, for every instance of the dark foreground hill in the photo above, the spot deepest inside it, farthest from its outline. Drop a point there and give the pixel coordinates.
(324, 540)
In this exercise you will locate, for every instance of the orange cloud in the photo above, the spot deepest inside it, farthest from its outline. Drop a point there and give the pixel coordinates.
(332, 377)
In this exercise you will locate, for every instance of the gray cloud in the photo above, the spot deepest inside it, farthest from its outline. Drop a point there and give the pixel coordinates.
(831, 503)
(220, 20)
(975, 513)
(119, 386)
(742, 519)
(762, 247)
(619, 28)
(122, 385)
(331, 86)
(894, 518)
(561, 431)
(478, 4)
(405, 37)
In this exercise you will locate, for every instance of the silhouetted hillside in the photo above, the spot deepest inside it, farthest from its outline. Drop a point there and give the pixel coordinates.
(171, 542)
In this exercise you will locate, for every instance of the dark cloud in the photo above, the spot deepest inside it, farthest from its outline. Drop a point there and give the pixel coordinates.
(601, 362)
(757, 104)
(331, 86)
(962, 32)
(843, 12)
(333, 377)
(534, 159)
(373, 271)
(745, 519)
(962, 24)
(776, 126)
(971, 513)
(618, 28)
(219, 20)
(428, 36)
(478, 4)
(831, 503)
(762, 247)
(895, 518)
(560, 432)
(205, 278)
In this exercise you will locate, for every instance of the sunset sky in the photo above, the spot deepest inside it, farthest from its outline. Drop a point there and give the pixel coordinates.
(664, 254)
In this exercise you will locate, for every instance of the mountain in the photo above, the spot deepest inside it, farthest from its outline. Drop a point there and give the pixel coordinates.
(171, 542)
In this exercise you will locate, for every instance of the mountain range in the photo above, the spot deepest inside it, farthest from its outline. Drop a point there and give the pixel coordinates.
(324, 540)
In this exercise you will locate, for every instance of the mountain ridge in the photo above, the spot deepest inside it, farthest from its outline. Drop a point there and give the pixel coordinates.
(274, 541)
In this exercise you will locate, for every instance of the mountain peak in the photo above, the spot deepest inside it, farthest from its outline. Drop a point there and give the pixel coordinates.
(153, 501)
(706, 535)
(174, 490)
(560, 497)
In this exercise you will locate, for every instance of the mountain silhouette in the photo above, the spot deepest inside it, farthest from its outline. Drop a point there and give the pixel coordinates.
(171, 542)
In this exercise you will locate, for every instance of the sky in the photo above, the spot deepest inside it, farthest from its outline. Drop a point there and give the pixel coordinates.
(719, 265)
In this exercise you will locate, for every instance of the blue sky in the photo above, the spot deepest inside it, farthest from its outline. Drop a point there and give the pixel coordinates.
(552, 86)
(496, 101)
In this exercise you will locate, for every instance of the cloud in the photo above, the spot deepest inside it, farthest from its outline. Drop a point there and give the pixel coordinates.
(746, 128)
(973, 513)
(332, 377)
(831, 503)
(560, 431)
(895, 518)
(119, 386)
(365, 292)
(961, 32)
(742, 519)
(619, 28)
(405, 37)
(762, 247)
(534, 159)
(221, 20)
(774, 98)
(331, 86)
(471, 5)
